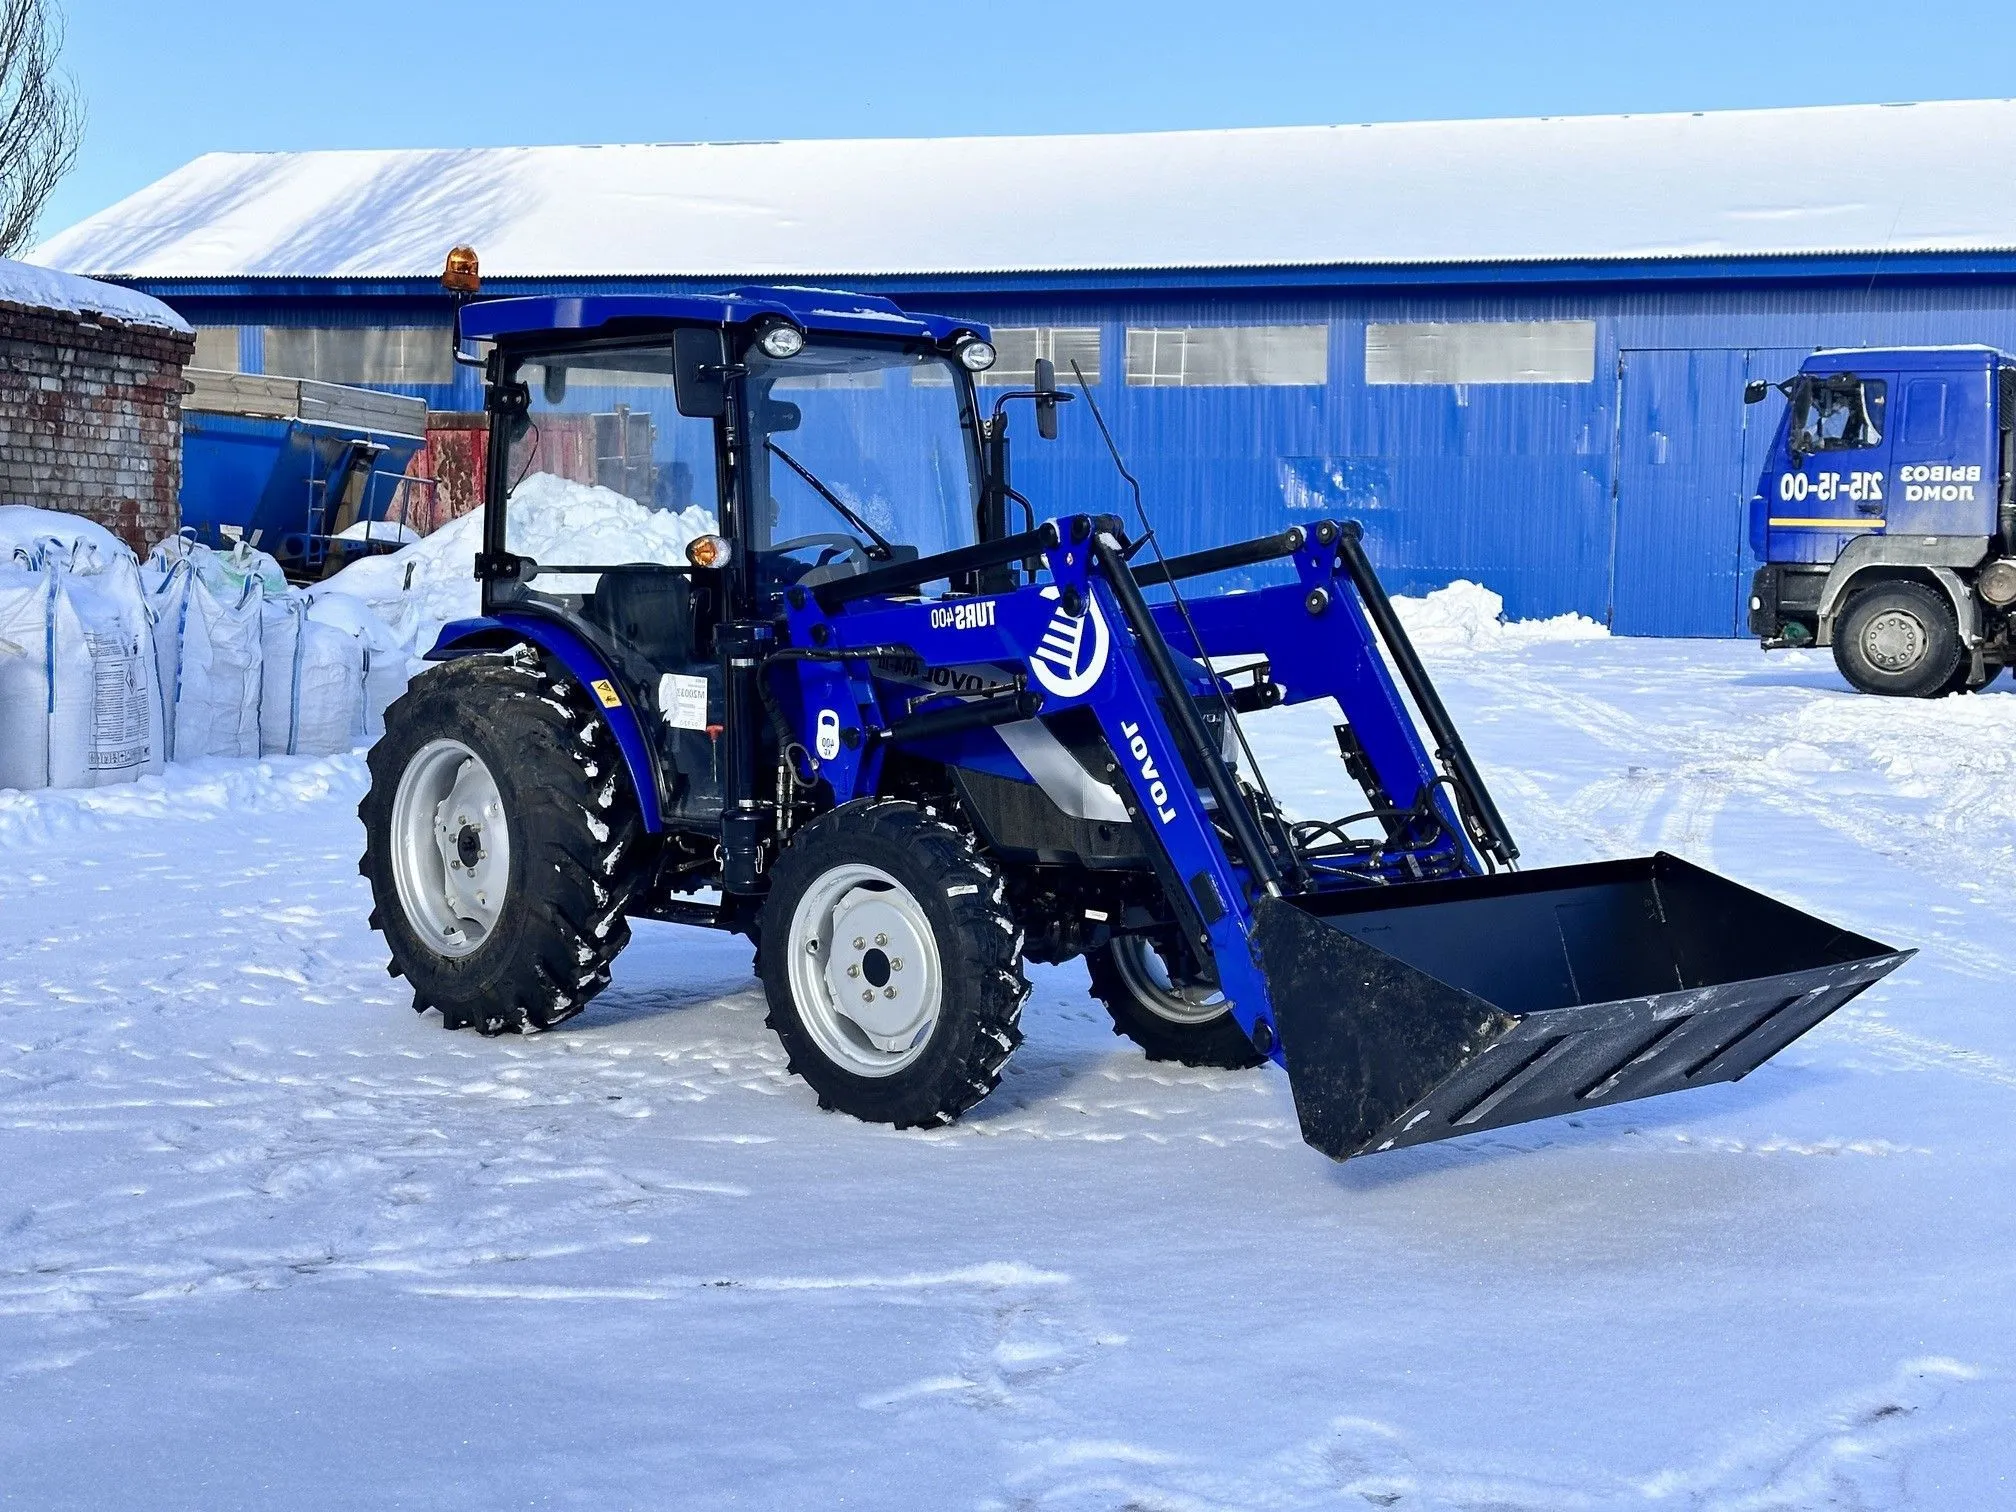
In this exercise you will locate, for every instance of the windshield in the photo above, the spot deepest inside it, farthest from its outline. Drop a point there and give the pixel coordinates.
(858, 444)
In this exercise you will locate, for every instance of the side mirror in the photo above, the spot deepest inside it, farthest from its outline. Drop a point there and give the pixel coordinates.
(1755, 390)
(554, 386)
(699, 380)
(1046, 398)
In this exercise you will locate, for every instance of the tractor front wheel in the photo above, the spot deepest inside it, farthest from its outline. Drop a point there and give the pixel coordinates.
(1170, 1013)
(502, 843)
(891, 964)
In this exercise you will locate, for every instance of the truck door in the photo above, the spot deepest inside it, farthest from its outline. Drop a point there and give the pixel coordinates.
(1829, 476)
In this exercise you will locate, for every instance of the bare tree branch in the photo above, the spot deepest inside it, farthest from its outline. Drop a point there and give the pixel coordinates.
(41, 118)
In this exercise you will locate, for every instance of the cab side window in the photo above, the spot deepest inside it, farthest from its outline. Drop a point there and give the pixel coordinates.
(1925, 411)
(1839, 414)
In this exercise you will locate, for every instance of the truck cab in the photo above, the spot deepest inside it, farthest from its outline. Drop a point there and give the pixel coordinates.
(1883, 517)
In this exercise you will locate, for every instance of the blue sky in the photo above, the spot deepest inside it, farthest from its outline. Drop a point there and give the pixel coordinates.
(168, 81)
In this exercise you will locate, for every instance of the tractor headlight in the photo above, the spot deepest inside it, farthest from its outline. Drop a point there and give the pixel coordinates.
(782, 340)
(708, 551)
(977, 356)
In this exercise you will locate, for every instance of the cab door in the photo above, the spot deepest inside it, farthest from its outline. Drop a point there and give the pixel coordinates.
(1831, 466)
(1944, 452)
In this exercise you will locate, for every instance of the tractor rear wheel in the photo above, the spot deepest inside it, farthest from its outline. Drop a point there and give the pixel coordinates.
(892, 967)
(1169, 1013)
(1900, 639)
(502, 843)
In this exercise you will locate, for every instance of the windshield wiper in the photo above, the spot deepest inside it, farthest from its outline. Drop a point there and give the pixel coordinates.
(882, 550)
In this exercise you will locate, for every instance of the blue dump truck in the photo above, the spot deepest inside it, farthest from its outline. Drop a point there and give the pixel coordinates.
(1885, 518)
(298, 468)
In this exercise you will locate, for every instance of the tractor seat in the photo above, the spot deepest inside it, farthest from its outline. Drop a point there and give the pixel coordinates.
(650, 612)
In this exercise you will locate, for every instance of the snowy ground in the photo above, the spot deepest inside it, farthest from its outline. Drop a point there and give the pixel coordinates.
(268, 1239)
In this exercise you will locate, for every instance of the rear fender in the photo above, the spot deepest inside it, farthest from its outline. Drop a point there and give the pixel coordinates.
(467, 637)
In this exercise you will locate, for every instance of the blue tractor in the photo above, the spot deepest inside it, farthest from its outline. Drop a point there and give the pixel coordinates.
(1885, 518)
(907, 732)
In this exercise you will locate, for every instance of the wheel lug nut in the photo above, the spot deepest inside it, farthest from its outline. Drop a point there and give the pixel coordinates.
(895, 963)
(859, 943)
(881, 939)
(888, 992)
(868, 996)
(853, 971)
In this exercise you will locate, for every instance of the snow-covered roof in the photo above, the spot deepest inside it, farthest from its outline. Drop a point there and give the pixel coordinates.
(46, 289)
(1835, 179)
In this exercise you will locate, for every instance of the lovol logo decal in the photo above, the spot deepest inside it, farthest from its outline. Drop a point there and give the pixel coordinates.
(1072, 656)
(1151, 780)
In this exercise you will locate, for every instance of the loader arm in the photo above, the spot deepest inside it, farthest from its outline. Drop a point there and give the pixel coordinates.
(1113, 657)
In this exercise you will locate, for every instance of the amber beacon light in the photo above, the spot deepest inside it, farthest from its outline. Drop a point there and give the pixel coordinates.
(460, 275)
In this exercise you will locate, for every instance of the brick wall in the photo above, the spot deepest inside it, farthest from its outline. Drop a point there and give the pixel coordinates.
(91, 420)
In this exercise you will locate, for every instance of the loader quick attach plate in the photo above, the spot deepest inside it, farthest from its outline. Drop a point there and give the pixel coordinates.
(1415, 1013)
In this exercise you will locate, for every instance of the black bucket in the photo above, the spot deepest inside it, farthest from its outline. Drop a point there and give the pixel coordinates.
(1414, 1013)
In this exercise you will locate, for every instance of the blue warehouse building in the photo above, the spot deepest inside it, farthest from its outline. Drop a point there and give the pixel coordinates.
(1515, 349)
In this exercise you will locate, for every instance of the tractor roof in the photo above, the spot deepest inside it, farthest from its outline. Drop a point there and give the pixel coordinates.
(828, 311)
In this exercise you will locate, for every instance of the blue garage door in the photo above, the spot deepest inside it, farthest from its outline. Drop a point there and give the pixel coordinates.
(1688, 450)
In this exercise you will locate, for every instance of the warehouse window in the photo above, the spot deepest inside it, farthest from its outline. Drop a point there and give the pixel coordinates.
(1481, 351)
(1019, 347)
(1227, 356)
(216, 348)
(361, 354)
(1016, 350)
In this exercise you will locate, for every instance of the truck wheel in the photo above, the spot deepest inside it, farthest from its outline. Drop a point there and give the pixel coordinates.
(1899, 639)
(502, 843)
(1171, 1019)
(891, 964)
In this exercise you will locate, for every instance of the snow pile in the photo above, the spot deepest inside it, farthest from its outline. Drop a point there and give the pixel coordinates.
(26, 532)
(423, 586)
(46, 289)
(213, 788)
(1467, 616)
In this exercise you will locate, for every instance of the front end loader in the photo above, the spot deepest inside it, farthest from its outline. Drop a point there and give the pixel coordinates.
(907, 748)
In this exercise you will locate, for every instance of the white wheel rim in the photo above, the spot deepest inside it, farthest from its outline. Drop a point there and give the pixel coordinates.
(1147, 976)
(865, 972)
(1895, 640)
(451, 848)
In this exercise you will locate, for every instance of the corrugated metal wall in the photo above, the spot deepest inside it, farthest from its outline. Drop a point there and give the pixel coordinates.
(1538, 490)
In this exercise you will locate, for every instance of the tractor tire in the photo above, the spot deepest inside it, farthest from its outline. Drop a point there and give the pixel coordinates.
(1900, 639)
(502, 842)
(1169, 1019)
(891, 964)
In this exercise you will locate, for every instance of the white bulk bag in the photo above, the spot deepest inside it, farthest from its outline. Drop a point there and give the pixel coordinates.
(385, 658)
(105, 727)
(26, 606)
(312, 685)
(209, 614)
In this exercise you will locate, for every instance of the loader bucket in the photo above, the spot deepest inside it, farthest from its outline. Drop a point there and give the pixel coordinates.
(1419, 1012)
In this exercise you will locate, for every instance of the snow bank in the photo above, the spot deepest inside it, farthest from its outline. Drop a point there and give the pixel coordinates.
(46, 289)
(1467, 616)
(24, 529)
(421, 587)
(212, 788)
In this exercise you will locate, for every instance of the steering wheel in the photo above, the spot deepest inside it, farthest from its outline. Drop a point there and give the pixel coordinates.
(850, 549)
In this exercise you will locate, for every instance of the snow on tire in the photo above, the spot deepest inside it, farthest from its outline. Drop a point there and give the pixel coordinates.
(892, 966)
(502, 843)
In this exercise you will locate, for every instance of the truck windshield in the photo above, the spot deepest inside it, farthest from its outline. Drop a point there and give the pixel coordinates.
(862, 444)
(1838, 413)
